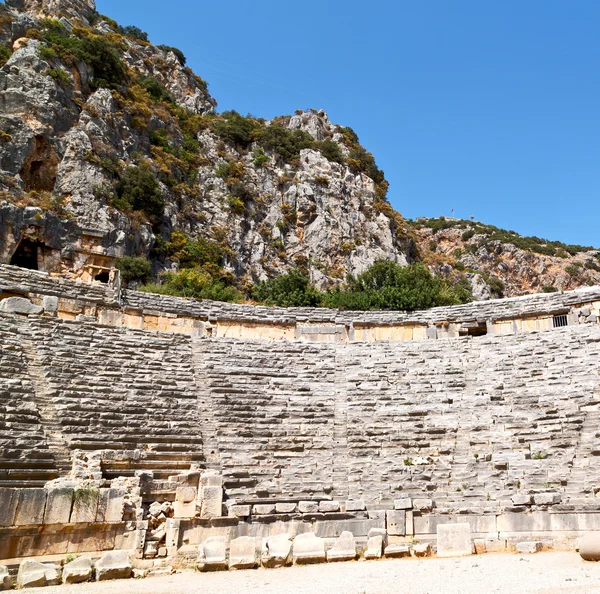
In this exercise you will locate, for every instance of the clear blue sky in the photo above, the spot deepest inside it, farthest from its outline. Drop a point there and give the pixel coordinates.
(490, 108)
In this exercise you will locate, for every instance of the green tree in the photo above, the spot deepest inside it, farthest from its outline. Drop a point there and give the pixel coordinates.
(134, 269)
(288, 290)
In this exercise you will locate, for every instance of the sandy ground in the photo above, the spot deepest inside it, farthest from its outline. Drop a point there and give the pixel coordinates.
(555, 573)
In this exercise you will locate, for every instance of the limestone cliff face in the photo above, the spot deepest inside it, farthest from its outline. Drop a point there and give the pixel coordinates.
(59, 132)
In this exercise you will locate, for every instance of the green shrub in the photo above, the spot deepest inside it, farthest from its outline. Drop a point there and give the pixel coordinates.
(133, 32)
(549, 289)
(134, 269)
(194, 283)
(178, 53)
(5, 54)
(60, 76)
(155, 89)
(288, 290)
(496, 286)
(235, 129)
(284, 142)
(572, 270)
(259, 158)
(331, 151)
(138, 189)
(468, 235)
(108, 68)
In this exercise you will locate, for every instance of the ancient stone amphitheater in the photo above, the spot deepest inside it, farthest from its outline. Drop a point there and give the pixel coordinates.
(233, 435)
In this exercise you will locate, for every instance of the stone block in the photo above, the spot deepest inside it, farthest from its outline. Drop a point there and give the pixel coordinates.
(396, 522)
(50, 305)
(589, 546)
(9, 499)
(374, 547)
(173, 534)
(31, 507)
(85, 506)
(19, 305)
(285, 508)
(422, 549)
(395, 551)
(185, 502)
(329, 506)
(211, 478)
(355, 505)
(78, 571)
(276, 551)
(34, 575)
(423, 505)
(240, 511)
(5, 581)
(212, 554)
(546, 498)
(113, 565)
(211, 502)
(308, 548)
(403, 504)
(243, 553)
(343, 549)
(454, 540)
(59, 503)
(264, 509)
(115, 502)
(521, 499)
(528, 548)
(308, 507)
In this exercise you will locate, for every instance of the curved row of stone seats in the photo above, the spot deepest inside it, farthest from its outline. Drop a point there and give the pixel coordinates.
(25, 459)
(114, 388)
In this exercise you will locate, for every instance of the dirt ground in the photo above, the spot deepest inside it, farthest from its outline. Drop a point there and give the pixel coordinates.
(550, 573)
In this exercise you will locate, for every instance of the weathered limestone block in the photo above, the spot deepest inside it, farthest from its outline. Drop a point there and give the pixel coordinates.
(212, 554)
(5, 581)
(396, 551)
(85, 506)
(546, 498)
(344, 548)
(528, 548)
(521, 499)
(78, 571)
(185, 502)
(329, 506)
(276, 550)
(210, 496)
(113, 565)
(403, 504)
(264, 509)
(31, 507)
(308, 548)
(33, 574)
(308, 507)
(9, 498)
(240, 511)
(454, 540)
(243, 553)
(589, 547)
(111, 505)
(422, 549)
(423, 505)
(172, 536)
(285, 508)
(58, 506)
(396, 522)
(374, 547)
(50, 305)
(355, 505)
(19, 305)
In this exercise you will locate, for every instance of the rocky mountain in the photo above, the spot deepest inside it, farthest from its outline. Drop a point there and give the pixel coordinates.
(112, 147)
